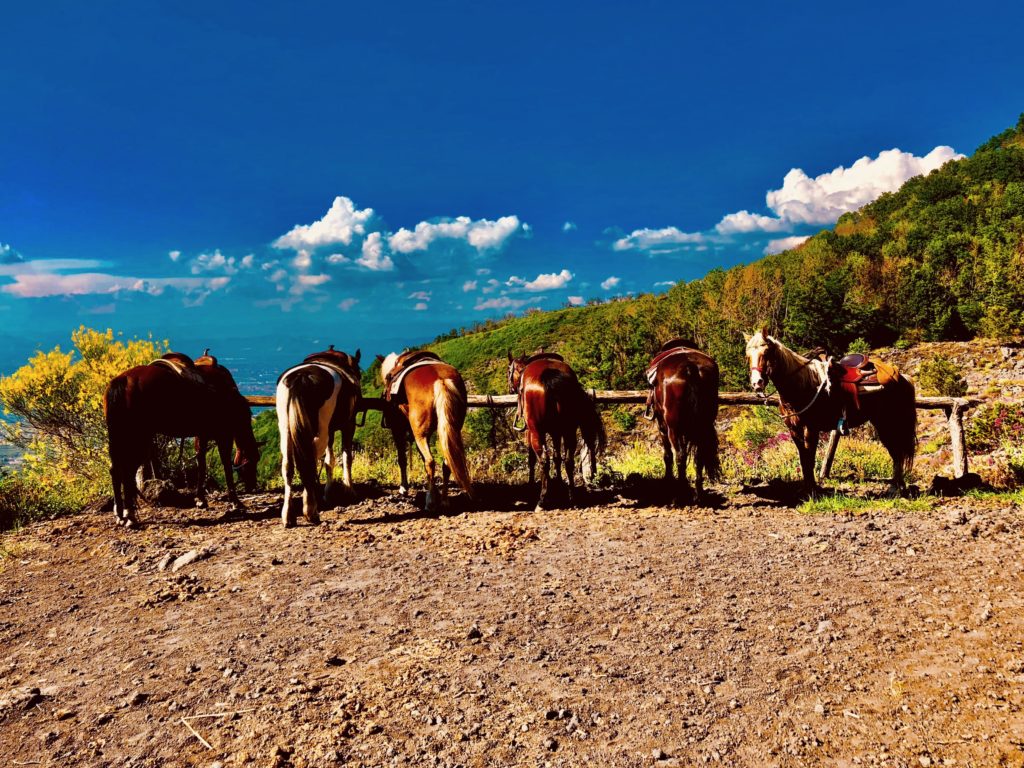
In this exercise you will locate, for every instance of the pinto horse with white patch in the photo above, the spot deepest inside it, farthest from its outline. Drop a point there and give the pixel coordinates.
(810, 405)
(175, 397)
(427, 394)
(314, 400)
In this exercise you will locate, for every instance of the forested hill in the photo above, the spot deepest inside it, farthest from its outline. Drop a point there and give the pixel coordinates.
(940, 258)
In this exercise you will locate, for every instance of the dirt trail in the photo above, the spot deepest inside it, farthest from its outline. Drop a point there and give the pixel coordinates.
(611, 635)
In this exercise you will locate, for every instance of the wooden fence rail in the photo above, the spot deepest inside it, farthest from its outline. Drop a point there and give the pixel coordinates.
(953, 407)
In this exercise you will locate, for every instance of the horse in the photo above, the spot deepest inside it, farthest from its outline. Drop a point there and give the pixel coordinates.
(552, 402)
(684, 402)
(810, 405)
(172, 396)
(425, 394)
(315, 399)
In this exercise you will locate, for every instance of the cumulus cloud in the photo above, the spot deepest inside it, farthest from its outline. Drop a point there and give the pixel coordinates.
(421, 305)
(481, 234)
(174, 255)
(825, 198)
(667, 238)
(569, 226)
(373, 256)
(338, 225)
(576, 301)
(303, 283)
(784, 244)
(218, 262)
(610, 283)
(543, 282)
(469, 285)
(346, 304)
(501, 302)
(420, 295)
(802, 201)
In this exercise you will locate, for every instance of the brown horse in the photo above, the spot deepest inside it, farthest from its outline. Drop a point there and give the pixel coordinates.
(177, 398)
(684, 402)
(552, 402)
(811, 405)
(314, 400)
(427, 394)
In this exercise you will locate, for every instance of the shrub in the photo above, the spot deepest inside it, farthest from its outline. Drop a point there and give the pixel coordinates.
(996, 425)
(859, 345)
(940, 376)
(57, 399)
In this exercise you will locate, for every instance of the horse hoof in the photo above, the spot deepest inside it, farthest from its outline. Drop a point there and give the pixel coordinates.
(403, 491)
(200, 503)
(288, 523)
(315, 520)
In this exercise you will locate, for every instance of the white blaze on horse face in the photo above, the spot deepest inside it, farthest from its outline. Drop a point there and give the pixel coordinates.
(756, 348)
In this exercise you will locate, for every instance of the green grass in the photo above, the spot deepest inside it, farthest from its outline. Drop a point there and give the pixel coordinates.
(1007, 497)
(840, 503)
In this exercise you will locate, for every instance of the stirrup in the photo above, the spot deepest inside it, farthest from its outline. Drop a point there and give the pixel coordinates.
(841, 427)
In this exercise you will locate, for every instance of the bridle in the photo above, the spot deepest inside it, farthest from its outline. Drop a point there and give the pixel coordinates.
(765, 369)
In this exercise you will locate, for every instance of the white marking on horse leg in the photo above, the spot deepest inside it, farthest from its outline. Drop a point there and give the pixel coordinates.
(346, 468)
(329, 466)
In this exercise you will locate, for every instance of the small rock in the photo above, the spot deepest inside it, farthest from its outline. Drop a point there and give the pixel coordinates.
(659, 754)
(819, 709)
(924, 760)
(823, 626)
(550, 744)
(64, 714)
(189, 557)
(336, 661)
(164, 562)
(734, 704)
(474, 633)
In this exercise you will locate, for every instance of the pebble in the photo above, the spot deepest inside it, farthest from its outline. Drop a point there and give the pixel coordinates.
(659, 754)
(550, 744)
(164, 562)
(474, 633)
(189, 557)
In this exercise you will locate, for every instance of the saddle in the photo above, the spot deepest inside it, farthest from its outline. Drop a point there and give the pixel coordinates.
(405, 363)
(338, 362)
(857, 374)
(183, 366)
(665, 353)
(543, 356)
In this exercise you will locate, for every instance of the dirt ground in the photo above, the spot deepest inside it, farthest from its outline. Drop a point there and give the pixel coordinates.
(615, 634)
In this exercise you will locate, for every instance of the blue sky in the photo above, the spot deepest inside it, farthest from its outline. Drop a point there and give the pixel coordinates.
(268, 180)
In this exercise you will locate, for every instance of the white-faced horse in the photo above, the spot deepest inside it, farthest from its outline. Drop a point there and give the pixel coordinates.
(810, 405)
(314, 400)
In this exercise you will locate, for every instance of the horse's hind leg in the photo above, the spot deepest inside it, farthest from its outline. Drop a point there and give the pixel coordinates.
(329, 468)
(224, 449)
(201, 472)
(347, 437)
(569, 445)
(398, 435)
(684, 494)
(666, 447)
(287, 471)
(430, 465)
(538, 443)
(531, 460)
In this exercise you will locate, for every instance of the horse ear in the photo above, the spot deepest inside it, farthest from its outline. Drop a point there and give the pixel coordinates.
(764, 332)
(357, 355)
(510, 355)
(380, 358)
(746, 336)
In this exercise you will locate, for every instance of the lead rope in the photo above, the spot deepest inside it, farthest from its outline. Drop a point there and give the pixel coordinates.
(519, 413)
(821, 387)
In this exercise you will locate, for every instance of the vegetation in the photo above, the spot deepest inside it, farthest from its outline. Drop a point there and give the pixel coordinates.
(57, 399)
(940, 376)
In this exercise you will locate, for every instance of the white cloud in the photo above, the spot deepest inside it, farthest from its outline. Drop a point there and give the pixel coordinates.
(576, 301)
(420, 306)
(338, 225)
(610, 283)
(373, 257)
(420, 295)
(47, 266)
(337, 258)
(745, 221)
(41, 285)
(482, 234)
(501, 302)
(569, 226)
(784, 244)
(647, 239)
(662, 283)
(303, 283)
(174, 255)
(218, 262)
(825, 198)
(543, 282)
(469, 285)
(346, 304)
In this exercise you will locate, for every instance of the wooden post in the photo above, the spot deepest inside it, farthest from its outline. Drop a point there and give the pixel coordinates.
(830, 454)
(957, 438)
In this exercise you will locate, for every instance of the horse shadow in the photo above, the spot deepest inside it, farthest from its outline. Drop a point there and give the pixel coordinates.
(657, 492)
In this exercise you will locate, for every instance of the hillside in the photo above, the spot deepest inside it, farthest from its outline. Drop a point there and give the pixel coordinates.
(938, 259)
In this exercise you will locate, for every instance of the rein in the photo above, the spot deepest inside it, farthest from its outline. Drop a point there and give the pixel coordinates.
(817, 394)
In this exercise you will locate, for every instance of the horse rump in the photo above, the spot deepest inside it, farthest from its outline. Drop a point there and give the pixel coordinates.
(895, 422)
(300, 396)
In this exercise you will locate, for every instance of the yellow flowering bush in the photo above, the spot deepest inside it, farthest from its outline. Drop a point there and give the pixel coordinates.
(57, 402)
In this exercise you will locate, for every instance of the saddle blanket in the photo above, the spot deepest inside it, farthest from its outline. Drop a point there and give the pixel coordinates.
(396, 384)
(652, 369)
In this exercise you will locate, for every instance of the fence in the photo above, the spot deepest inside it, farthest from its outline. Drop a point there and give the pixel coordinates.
(953, 407)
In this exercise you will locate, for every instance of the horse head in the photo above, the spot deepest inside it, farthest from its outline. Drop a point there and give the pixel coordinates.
(515, 372)
(760, 354)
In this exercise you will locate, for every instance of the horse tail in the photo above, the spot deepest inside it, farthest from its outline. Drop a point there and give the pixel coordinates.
(705, 414)
(898, 429)
(115, 402)
(298, 404)
(450, 402)
(594, 437)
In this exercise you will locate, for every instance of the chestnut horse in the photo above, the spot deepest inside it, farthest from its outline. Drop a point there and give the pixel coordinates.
(810, 405)
(552, 402)
(427, 394)
(314, 400)
(684, 402)
(174, 397)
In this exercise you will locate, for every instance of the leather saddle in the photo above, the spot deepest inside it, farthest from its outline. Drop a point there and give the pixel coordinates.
(543, 356)
(404, 362)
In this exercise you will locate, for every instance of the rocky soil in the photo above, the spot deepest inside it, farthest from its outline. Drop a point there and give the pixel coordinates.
(616, 634)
